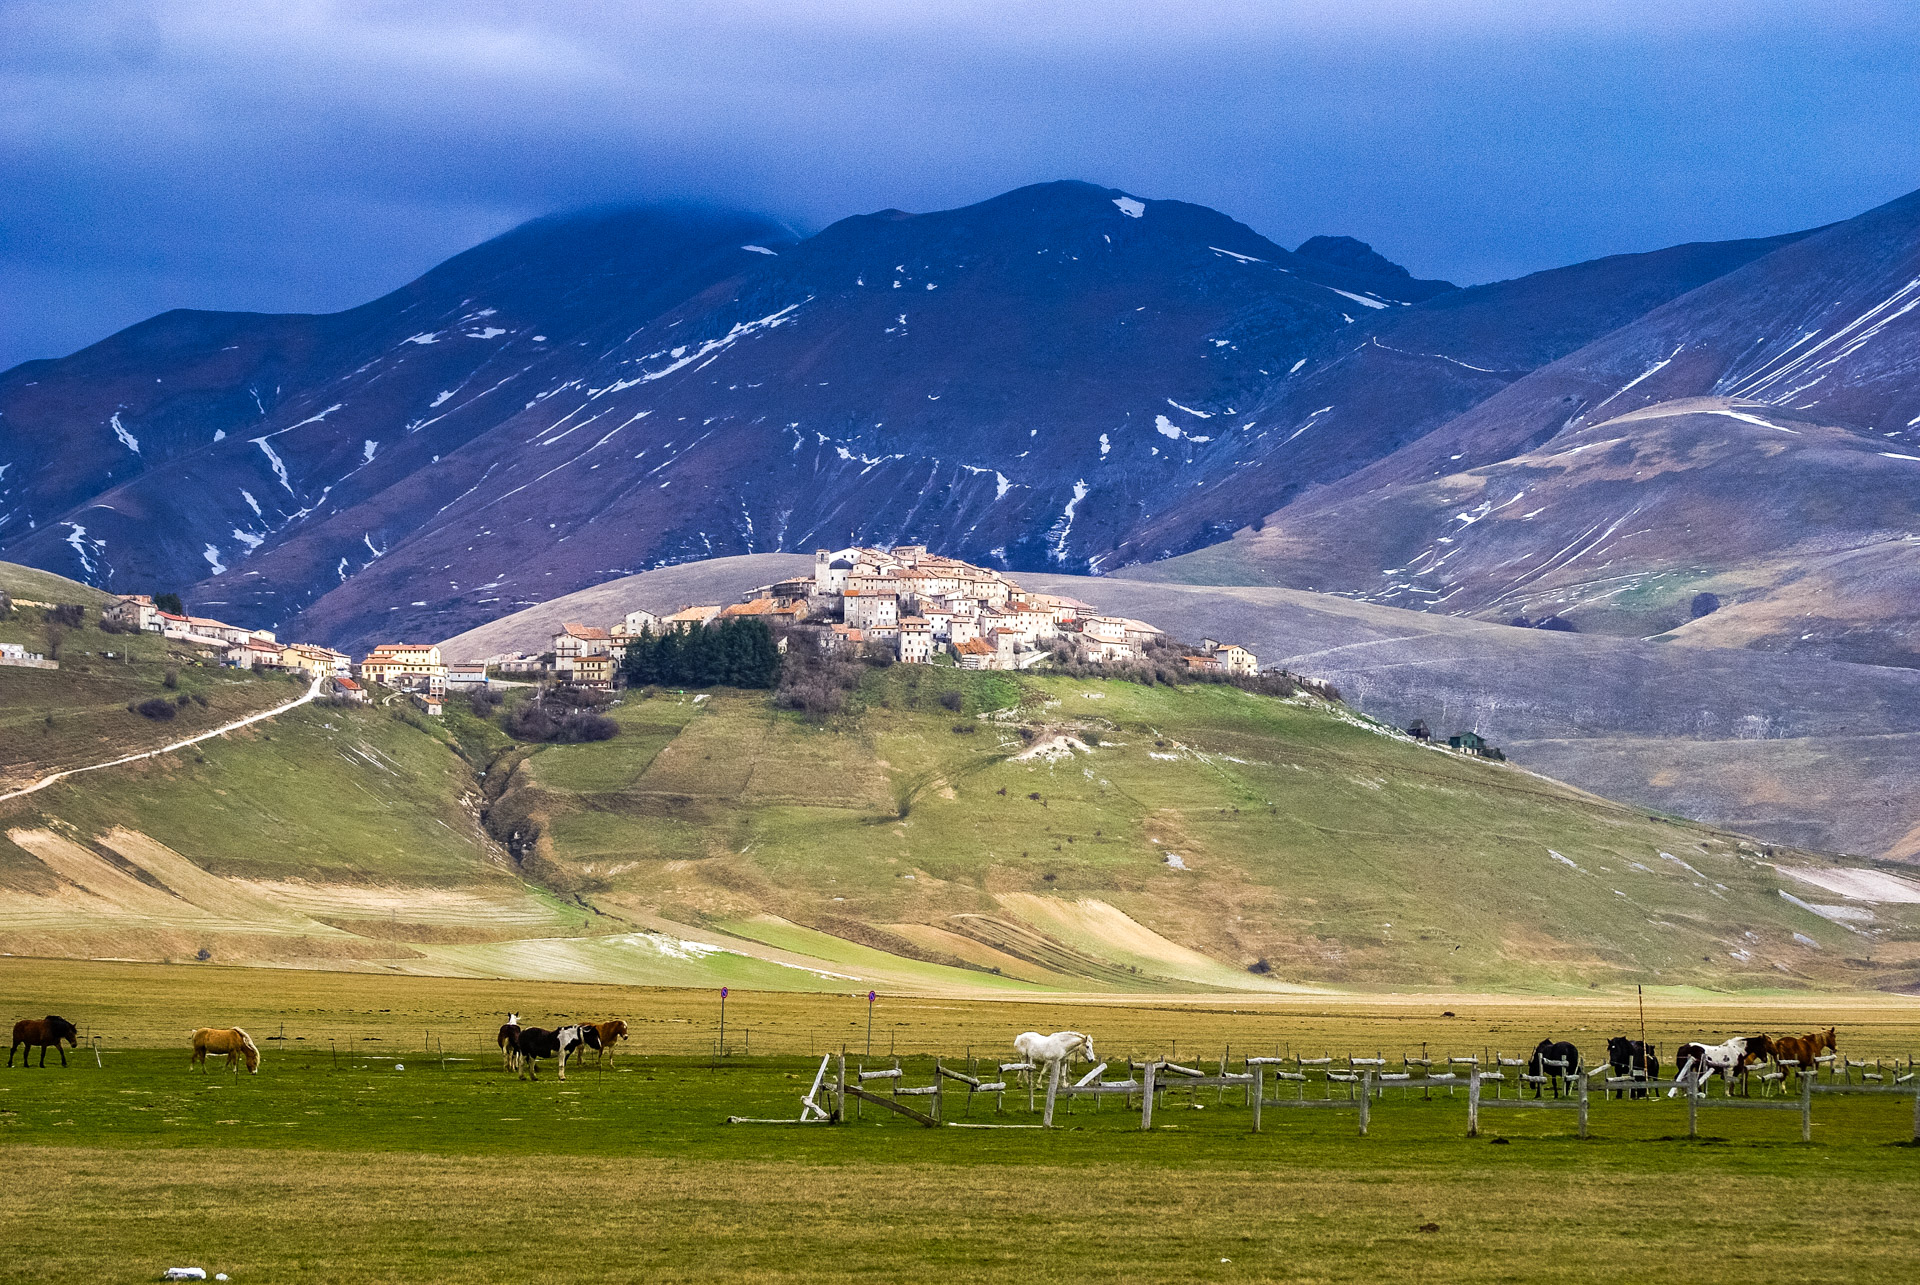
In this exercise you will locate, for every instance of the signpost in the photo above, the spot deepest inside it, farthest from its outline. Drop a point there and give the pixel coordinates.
(723, 1021)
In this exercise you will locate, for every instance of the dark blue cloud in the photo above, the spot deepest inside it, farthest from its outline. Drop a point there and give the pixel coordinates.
(308, 156)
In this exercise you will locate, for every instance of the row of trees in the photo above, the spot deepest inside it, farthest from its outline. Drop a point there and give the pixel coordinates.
(731, 653)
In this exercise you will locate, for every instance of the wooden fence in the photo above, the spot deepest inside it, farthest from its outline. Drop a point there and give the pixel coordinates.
(833, 1086)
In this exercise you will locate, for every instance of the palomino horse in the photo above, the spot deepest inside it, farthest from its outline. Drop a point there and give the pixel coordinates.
(43, 1031)
(510, 1042)
(1043, 1051)
(231, 1040)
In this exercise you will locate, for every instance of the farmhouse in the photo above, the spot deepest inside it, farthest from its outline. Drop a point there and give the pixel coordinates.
(134, 611)
(466, 678)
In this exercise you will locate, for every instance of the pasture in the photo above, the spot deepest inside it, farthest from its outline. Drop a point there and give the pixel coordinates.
(331, 1164)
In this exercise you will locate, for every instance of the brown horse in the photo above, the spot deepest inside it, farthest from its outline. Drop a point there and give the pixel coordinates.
(610, 1033)
(1803, 1049)
(43, 1031)
(232, 1041)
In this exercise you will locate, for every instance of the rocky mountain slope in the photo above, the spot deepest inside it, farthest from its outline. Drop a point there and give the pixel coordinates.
(1062, 377)
(1754, 441)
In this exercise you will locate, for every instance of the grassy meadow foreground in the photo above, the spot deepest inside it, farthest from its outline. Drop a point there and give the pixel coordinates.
(334, 1164)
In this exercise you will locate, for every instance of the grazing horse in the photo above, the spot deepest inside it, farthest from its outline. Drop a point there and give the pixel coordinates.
(41, 1032)
(608, 1034)
(510, 1042)
(1043, 1051)
(1556, 1060)
(1695, 1064)
(1628, 1056)
(1805, 1049)
(537, 1042)
(231, 1040)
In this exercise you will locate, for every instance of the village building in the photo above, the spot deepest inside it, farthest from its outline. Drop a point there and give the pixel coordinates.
(257, 653)
(754, 609)
(347, 689)
(875, 609)
(916, 641)
(974, 654)
(466, 678)
(575, 642)
(411, 666)
(688, 618)
(134, 611)
(429, 704)
(316, 661)
(594, 671)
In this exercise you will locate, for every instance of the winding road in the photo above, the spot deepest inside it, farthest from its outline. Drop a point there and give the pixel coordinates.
(45, 781)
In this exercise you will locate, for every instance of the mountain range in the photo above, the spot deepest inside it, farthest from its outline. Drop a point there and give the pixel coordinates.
(1066, 377)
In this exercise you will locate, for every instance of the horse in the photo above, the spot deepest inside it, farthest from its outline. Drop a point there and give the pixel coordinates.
(232, 1041)
(589, 1039)
(1804, 1050)
(1047, 1050)
(1759, 1050)
(610, 1034)
(1628, 1056)
(510, 1042)
(1555, 1060)
(537, 1042)
(1695, 1064)
(43, 1031)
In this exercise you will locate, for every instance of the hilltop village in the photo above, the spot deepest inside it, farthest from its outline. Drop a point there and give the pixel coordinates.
(915, 607)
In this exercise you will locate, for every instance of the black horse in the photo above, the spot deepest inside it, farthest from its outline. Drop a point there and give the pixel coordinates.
(537, 1042)
(43, 1031)
(1631, 1057)
(1557, 1060)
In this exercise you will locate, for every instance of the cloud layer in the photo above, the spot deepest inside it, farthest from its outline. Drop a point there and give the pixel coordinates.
(290, 156)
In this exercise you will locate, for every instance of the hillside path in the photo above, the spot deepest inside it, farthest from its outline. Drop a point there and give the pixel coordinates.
(223, 729)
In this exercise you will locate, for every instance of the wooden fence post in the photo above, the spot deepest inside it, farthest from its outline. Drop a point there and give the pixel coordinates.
(1053, 1088)
(1916, 1103)
(1806, 1111)
(938, 1081)
(1146, 1099)
(1366, 1096)
(1473, 1102)
(1693, 1110)
(1260, 1091)
(1583, 1103)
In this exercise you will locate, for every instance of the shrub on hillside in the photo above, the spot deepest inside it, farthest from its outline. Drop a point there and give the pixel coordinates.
(172, 681)
(6, 605)
(813, 680)
(170, 603)
(542, 719)
(951, 701)
(70, 614)
(483, 702)
(159, 709)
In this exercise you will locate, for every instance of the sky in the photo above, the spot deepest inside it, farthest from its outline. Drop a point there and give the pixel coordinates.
(295, 155)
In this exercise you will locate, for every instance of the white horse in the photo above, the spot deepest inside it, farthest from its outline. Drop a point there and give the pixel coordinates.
(1042, 1051)
(1696, 1069)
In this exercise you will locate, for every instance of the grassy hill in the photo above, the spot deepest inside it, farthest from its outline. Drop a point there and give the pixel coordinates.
(52, 719)
(1048, 834)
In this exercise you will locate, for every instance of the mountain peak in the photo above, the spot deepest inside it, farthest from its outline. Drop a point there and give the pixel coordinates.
(1351, 254)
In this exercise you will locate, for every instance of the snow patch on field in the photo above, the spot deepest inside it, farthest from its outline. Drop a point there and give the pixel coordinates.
(1057, 748)
(1859, 885)
(1131, 208)
(1843, 915)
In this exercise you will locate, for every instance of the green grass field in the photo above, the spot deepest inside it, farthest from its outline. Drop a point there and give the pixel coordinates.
(331, 1164)
(77, 714)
